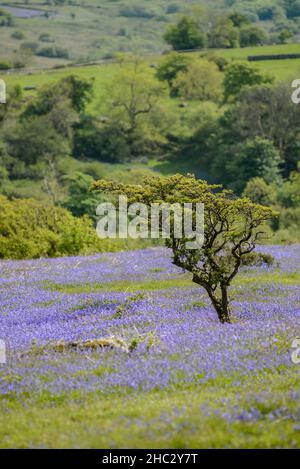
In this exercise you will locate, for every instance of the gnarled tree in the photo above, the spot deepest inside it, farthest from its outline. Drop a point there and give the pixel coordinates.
(232, 229)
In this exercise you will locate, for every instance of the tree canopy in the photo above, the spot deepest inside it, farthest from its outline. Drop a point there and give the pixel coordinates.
(232, 229)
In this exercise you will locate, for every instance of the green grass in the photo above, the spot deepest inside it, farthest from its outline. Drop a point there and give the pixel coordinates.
(159, 419)
(124, 286)
(243, 53)
(181, 281)
(102, 74)
(94, 31)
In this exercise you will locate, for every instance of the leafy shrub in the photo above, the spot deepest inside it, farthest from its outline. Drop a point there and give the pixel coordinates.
(5, 65)
(266, 13)
(185, 35)
(45, 37)
(18, 35)
(290, 219)
(104, 143)
(289, 192)
(173, 8)
(33, 46)
(220, 62)
(260, 192)
(136, 11)
(80, 200)
(31, 229)
(252, 36)
(170, 66)
(202, 81)
(239, 75)
(6, 18)
(53, 52)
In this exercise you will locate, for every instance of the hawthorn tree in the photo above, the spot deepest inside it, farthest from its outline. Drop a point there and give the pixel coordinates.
(231, 229)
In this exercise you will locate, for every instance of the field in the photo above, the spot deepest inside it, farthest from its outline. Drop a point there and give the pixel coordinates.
(102, 74)
(122, 349)
(180, 378)
(96, 29)
(91, 29)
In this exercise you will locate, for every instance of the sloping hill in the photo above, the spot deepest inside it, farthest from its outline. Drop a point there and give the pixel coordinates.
(63, 31)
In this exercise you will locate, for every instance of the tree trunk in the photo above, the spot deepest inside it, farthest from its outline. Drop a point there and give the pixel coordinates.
(221, 304)
(219, 300)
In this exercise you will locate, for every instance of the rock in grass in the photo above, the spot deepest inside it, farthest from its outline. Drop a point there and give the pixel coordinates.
(92, 344)
(89, 344)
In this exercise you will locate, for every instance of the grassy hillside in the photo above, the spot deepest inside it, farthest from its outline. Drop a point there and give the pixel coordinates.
(102, 74)
(92, 29)
(96, 29)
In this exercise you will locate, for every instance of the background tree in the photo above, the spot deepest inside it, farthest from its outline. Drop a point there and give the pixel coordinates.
(223, 34)
(170, 66)
(251, 35)
(103, 141)
(6, 19)
(132, 97)
(238, 19)
(289, 192)
(77, 91)
(284, 36)
(80, 200)
(266, 112)
(254, 158)
(238, 75)
(231, 231)
(260, 192)
(201, 81)
(35, 139)
(185, 35)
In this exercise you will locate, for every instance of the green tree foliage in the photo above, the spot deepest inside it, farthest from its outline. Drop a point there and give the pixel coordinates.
(132, 99)
(266, 112)
(80, 200)
(100, 141)
(77, 91)
(35, 139)
(284, 36)
(292, 8)
(223, 34)
(252, 159)
(260, 192)
(53, 52)
(44, 130)
(201, 81)
(185, 35)
(31, 229)
(289, 192)
(240, 74)
(285, 198)
(238, 19)
(232, 229)
(170, 66)
(6, 18)
(251, 35)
